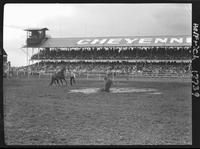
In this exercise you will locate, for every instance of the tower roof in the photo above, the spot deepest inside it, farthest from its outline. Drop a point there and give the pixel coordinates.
(4, 53)
(36, 29)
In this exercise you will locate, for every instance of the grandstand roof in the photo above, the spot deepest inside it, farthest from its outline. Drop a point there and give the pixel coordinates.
(116, 41)
(141, 60)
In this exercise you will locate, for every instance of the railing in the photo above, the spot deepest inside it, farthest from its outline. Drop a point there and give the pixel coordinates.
(100, 75)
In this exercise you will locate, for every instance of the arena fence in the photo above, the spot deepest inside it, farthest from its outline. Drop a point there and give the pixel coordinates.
(99, 75)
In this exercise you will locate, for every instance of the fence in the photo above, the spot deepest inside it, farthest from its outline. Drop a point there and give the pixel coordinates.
(100, 75)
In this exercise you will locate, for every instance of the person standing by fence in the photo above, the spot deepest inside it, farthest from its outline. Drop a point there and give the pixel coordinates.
(72, 78)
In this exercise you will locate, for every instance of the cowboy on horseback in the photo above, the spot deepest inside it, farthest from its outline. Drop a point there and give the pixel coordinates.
(59, 76)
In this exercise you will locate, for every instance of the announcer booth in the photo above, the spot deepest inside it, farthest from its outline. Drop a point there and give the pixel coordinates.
(37, 41)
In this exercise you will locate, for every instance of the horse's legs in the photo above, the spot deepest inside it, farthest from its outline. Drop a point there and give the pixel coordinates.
(74, 81)
(65, 81)
(71, 81)
(52, 80)
(61, 81)
(57, 81)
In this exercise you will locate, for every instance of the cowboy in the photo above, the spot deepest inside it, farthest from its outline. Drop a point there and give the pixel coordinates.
(72, 77)
(108, 84)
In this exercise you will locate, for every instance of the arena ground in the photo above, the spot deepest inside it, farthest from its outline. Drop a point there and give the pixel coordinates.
(38, 114)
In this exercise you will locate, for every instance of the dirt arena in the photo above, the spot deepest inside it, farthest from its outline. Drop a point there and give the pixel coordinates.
(38, 114)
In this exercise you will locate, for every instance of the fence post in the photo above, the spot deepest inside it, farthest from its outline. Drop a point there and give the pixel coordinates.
(87, 76)
(17, 73)
(28, 74)
(39, 75)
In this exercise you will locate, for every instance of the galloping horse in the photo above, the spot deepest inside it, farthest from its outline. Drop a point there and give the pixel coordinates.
(59, 76)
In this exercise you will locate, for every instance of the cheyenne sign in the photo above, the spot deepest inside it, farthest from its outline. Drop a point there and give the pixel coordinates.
(137, 41)
(116, 41)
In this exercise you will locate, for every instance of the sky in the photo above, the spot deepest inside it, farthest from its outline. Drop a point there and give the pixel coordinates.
(89, 20)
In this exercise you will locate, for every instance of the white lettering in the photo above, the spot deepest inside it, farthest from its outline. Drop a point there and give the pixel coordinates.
(188, 40)
(114, 41)
(148, 40)
(180, 40)
(145, 40)
(98, 41)
(84, 41)
(129, 41)
(160, 40)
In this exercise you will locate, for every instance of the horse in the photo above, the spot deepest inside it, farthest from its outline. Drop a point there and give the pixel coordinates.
(58, 76)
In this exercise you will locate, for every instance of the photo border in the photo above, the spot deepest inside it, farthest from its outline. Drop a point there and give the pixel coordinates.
(195, 72)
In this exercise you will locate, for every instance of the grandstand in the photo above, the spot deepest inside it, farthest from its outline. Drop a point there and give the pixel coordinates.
(133, 55)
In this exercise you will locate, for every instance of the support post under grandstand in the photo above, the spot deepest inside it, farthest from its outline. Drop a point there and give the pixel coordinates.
(99, 76)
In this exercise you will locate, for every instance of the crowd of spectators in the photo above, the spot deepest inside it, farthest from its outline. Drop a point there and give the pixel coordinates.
(116, 53)
(116, 67)
(122, 53)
